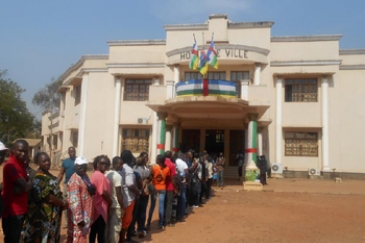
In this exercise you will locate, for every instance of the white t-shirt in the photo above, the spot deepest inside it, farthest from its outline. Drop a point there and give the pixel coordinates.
(128, 179)
(181, 166)
(115, 181)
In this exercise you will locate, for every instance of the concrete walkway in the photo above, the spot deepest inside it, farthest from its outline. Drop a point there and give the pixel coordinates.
(300, 185)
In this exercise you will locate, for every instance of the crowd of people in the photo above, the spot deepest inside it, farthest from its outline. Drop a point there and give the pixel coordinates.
(109, 206)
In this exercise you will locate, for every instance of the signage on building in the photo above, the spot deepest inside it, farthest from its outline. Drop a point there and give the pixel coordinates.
(228, 53)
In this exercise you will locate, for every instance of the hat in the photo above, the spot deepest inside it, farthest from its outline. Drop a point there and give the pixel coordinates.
(81, 161)
(2, 147)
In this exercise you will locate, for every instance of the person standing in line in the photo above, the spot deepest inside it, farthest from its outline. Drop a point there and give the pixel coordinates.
(159, 173)
(114, 225)
(262, 164)
(3, 151)
(43, 221)
(79, 197)
(220, 170)
(129, 190)
(68, 168)
(182, 169)
(141, 168)
(170, 188)
(202, 177)
(102, 199)
(15, 192)
(239, 161)
(209, 178)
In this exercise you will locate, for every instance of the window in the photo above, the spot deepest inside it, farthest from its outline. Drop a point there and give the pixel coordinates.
(210, 75)
(301, 144)
(137, 89)
(237, 76)
(75, 138)
(55, 141)
(77, 95)
(301, 90)
(136, 140)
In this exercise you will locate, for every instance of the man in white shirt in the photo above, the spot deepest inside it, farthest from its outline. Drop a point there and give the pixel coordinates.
(114, 225)
(182, 169)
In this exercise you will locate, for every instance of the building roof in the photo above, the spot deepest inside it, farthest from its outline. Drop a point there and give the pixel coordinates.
(31, 141)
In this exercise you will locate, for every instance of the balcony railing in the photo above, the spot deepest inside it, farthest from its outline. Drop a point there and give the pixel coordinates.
(206, 87)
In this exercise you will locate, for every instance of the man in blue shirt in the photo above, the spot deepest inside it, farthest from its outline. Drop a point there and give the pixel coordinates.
(68, 168)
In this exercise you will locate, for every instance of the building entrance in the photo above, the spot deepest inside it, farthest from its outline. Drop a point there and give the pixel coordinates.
(236, 143)
(190, 140)
(214, 141)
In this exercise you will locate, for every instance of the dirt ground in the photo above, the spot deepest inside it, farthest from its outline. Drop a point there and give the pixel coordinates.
(233, 215)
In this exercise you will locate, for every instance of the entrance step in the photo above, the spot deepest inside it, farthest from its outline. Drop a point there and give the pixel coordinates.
(252, 186)
(231, 172)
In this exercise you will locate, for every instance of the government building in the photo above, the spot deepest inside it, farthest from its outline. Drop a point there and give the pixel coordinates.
(298, 100)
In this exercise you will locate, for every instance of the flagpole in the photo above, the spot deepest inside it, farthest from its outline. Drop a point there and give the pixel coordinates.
(205, 75)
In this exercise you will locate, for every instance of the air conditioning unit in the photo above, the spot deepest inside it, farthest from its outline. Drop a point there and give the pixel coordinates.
(277, 168)
(142, 120)
(314, 172)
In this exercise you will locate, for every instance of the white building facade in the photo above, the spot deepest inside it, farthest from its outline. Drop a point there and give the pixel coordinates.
(297, 99)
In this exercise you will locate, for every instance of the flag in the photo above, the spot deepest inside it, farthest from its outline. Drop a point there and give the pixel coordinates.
(203, 64)
(212, 56)
(194, 60)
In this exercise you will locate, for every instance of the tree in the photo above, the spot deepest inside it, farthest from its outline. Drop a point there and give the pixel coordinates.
(15, 119)
(48, 99)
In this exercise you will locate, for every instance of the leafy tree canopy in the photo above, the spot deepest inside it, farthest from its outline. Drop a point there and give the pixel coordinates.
(15, 119)
(48, 98)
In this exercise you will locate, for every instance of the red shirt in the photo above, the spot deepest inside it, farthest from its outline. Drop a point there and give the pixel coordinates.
(172, 167)
(15, 204)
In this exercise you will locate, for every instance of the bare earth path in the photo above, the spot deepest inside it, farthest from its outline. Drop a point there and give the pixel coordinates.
(236, 216)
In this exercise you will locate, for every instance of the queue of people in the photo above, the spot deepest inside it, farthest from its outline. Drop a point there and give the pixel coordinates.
(111, 205)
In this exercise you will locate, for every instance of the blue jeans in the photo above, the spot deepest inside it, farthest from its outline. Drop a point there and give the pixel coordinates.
(161, 207)
(181, 205)
(220, 175)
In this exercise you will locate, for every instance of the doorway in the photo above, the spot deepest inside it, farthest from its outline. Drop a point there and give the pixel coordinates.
(214, 141)
(190, 140)
(237, 143)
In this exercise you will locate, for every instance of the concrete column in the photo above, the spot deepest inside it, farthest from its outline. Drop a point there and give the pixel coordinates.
(66, 143)
(226, 147)
(251, 148)
(154, 137)
(116, 115)
(175, 138)
(81, 142)
(168, 137)
(325, 139)
(161, 137)
(156, 81)
(259, 138)
(257, 74)
(176, 78)
(278, 119)
(170, 89)
(244, 89)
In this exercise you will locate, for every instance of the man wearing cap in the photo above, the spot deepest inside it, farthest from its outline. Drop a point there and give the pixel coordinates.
(79, 196)
(3, 151)
(68, 168)
(15, 204)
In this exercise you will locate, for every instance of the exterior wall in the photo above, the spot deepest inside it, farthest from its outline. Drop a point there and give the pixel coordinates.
(284, 57)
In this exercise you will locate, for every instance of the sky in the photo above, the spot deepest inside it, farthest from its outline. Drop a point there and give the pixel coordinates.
(40, 39)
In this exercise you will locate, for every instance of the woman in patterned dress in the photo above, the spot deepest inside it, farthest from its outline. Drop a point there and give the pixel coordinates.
(43, 220)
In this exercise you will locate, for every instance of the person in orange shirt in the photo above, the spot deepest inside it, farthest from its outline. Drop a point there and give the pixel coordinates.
(159, 173)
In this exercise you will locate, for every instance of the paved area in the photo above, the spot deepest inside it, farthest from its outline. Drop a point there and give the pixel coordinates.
(302, 185)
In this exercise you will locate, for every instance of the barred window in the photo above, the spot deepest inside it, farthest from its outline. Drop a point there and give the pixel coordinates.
(301, 144)
(75, 138)
(301, 90)
(136, 140)
(210, 75)
(237, 76)
(77, 94)
(137, 89)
